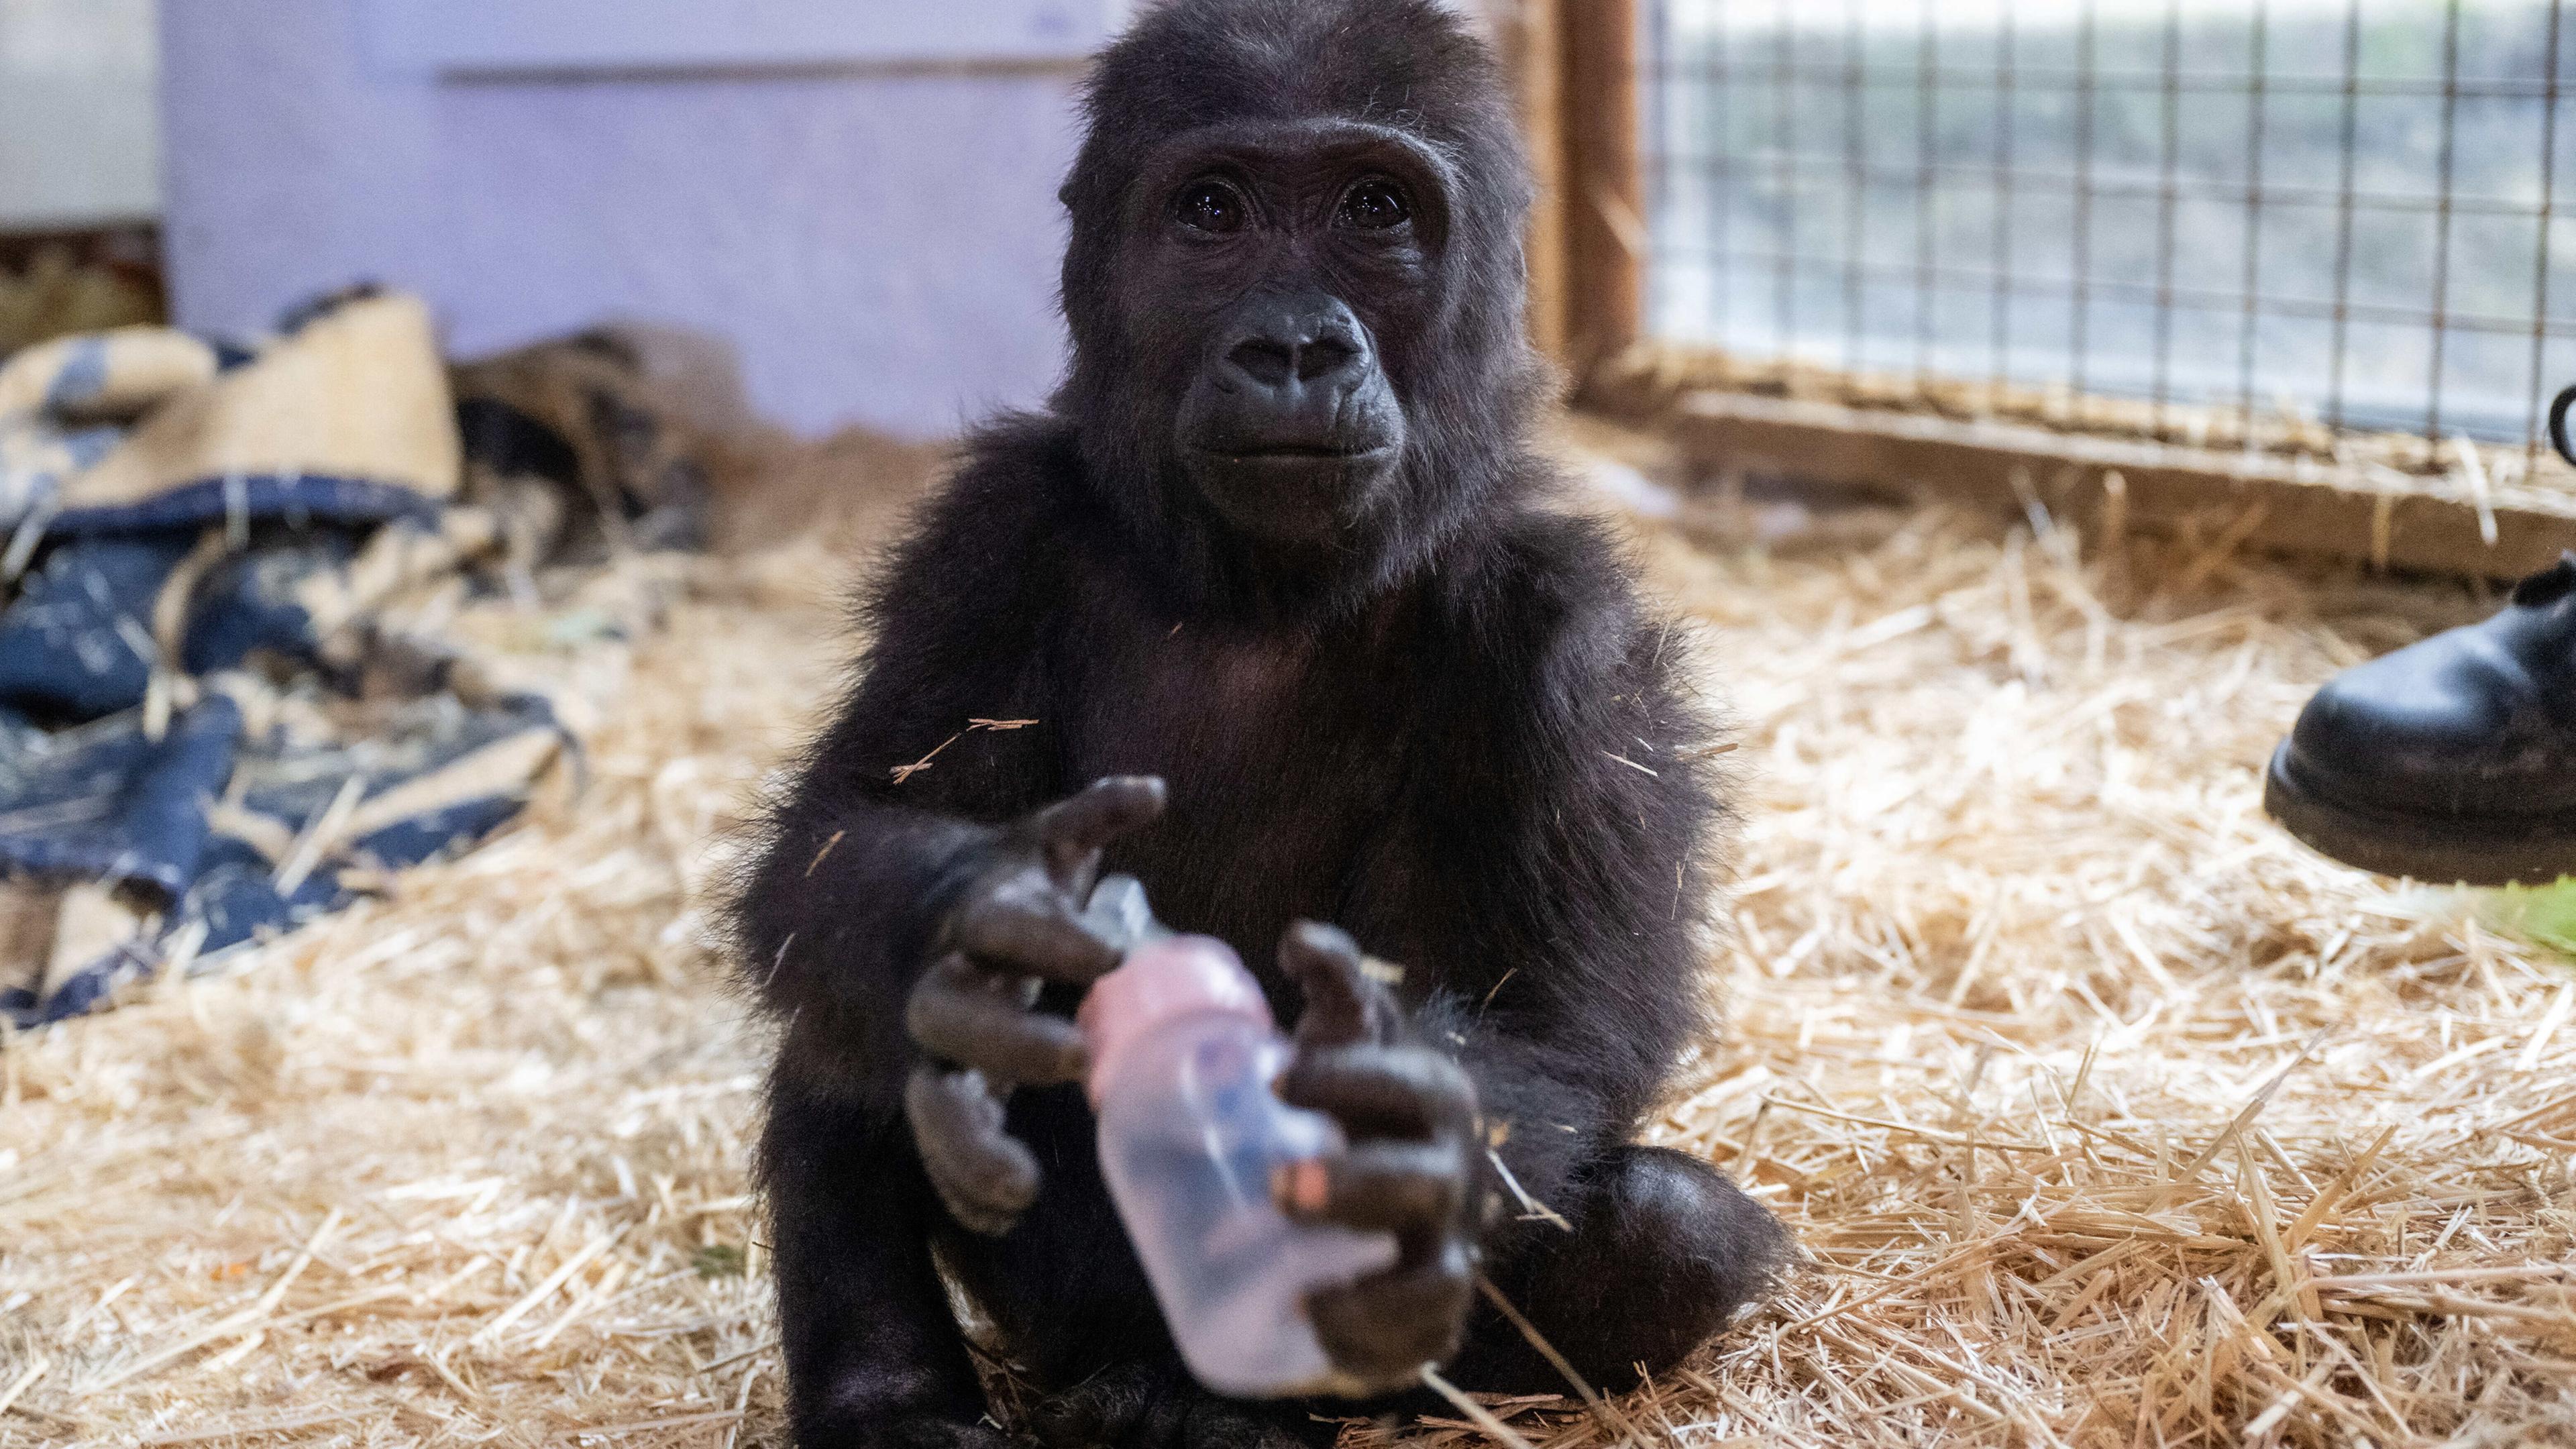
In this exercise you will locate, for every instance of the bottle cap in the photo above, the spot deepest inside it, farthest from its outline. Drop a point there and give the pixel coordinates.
(1160, 983)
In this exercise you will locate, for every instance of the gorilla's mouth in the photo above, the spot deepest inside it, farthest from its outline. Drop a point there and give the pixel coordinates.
(1291, 491)
(1293, 453)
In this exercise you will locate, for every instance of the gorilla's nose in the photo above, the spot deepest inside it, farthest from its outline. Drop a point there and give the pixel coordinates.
(1294, 352)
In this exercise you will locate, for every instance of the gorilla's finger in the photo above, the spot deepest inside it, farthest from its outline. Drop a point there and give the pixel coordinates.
(1383, 1329)
(1165, 1418)
(1404, 1187)
(1342, 1004)
(1072, 831)
(983, 1174)
(1023, 923)
(1373, 1092)
(1105, 1408)
(956, 1012)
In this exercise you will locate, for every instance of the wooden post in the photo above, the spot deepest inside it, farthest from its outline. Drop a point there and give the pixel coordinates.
(1603, 192)
(1534, 48)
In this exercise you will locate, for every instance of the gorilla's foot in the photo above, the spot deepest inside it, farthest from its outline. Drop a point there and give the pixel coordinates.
(1665, 1250)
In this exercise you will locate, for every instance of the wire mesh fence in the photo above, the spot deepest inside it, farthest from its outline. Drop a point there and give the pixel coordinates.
(2341, 212)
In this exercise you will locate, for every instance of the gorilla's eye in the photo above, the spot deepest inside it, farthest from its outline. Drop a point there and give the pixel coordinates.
(1210, 206)
(1375, 204)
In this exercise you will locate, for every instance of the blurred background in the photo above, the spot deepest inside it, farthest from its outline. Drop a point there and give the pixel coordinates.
(2338, 209)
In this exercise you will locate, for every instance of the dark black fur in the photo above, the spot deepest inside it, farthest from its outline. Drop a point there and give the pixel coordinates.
(1448, 728)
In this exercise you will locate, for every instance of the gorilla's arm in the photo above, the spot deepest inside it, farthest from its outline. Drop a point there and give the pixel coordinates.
(863, 857)
(1551, 898)
(915, 889)
(833, 924)
(1556, 924)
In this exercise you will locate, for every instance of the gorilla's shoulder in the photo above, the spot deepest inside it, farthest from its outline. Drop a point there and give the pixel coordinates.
(1548, 568)
(1548, 590)
(1015, 480)
(986, 527)
(1015, 466)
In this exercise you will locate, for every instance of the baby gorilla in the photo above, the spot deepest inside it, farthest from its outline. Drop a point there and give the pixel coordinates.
(1273, 570)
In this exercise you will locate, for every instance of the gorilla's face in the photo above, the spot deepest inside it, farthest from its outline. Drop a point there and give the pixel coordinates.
(1277, 276)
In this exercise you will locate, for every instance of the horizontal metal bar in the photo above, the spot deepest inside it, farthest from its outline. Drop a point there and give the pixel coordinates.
(1810, 171)
(2195, 299)
(2068, 79)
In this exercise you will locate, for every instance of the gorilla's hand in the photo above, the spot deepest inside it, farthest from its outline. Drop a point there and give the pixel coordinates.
(1409, 1112)
(1018, 924)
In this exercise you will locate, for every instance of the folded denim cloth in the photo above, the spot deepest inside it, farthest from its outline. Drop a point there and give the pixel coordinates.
(225, 706)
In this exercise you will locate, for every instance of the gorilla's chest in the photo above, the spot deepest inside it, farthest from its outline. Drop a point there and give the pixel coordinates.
(1285, 754)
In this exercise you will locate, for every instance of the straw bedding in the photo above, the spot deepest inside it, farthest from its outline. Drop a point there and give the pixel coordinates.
(2105, 1114)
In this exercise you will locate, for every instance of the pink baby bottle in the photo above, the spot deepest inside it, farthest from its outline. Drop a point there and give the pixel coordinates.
(1183, 1057)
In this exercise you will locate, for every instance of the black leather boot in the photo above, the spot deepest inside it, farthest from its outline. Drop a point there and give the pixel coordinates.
(2450, 760)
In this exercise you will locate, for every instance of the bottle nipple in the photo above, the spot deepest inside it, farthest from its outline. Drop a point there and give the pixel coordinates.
(1162, 981)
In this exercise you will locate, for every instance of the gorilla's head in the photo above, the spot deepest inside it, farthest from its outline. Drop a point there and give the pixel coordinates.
(1295, 286)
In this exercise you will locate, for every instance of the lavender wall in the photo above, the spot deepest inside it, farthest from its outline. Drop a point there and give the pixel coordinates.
(880, 246)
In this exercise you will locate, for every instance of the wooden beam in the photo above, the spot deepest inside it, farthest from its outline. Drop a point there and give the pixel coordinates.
(2292, 505)
(1604, 189)
(1533, 49)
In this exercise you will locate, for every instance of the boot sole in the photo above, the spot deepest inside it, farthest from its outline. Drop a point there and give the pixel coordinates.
(2466, 850)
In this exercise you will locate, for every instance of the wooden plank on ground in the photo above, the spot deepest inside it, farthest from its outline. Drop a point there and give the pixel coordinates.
(2305, 505)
